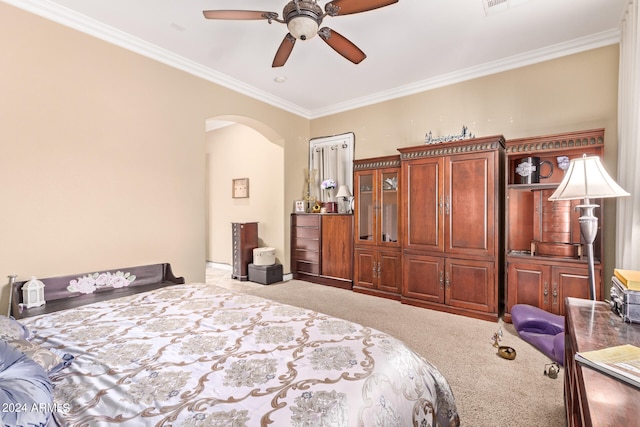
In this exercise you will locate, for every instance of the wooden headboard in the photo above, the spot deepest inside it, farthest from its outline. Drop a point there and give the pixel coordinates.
(75, 290)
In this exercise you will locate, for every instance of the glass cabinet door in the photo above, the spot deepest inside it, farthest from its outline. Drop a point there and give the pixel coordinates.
(365, 209)
(389, 209)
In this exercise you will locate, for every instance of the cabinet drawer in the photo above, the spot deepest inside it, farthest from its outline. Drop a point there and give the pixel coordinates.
(551, 236)
(307, 267)
(307, 245)
(553, 207)
(561, 216)
(556, 249)
(306, 220)
(556, 226)
(302, 255)
(306, 233)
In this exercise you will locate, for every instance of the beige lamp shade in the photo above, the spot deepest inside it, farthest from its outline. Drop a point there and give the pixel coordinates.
(343, 191)
(586, 178)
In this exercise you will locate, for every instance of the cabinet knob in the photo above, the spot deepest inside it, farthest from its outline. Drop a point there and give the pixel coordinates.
(441, 279)
(446, 282)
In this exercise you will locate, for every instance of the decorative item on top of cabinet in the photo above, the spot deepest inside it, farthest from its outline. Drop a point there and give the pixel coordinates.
(544, 252)
(245, 240)
(378, 257)
(453, 213)
(322, 249)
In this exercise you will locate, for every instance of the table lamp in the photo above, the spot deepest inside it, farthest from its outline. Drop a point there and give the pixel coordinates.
(343, 195)
(587, 179)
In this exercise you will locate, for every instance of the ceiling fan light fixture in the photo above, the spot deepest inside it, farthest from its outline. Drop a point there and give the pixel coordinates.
(303, 27)
(303, 18)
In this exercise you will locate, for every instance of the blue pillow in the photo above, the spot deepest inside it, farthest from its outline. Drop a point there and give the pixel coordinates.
(25, 390)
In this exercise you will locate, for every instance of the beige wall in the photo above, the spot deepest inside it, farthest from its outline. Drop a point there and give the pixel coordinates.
(571, 93)
(577, 92)
(238, 151)
(102, 154)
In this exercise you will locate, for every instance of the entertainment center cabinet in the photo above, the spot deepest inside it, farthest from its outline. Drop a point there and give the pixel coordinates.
(544, 256)
(451, 226)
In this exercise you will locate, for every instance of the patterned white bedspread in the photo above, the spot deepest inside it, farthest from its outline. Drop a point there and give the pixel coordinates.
(199, 355)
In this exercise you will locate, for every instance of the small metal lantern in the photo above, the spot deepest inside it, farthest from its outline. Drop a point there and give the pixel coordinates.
(33, 293)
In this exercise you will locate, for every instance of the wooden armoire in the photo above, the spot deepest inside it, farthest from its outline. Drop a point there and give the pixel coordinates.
(453, 216)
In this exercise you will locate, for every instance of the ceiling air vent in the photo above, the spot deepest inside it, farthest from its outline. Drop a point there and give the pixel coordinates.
(493, 6)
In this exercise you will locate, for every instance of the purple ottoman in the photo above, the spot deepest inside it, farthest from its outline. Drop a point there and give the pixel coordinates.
(541, 329)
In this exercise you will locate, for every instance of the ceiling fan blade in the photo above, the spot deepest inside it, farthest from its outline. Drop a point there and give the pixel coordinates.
(238, 14)
(346, 7)
(284, 50)
(341, 45)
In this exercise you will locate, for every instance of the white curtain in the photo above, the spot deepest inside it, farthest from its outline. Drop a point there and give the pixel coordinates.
(330, 162)
(628, 212)
(331, 157)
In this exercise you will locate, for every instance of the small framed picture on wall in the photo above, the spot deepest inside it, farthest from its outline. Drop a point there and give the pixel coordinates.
(240, 188)
(299, 206)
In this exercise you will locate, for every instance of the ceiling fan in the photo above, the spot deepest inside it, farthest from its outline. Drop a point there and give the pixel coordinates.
(303, 19)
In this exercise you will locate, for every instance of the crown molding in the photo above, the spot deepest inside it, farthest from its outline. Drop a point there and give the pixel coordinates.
(92, 27)
(72, 19)
(582, 44)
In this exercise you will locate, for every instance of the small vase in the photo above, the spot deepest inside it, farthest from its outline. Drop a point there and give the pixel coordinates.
(330, 197)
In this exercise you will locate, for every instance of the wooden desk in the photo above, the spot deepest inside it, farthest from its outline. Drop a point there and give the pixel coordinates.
(592, 398)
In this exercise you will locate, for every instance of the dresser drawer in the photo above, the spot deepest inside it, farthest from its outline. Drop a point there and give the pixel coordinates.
(307, 245)
(307, 267)
(302, 255)
(306, 220)
(306, 233)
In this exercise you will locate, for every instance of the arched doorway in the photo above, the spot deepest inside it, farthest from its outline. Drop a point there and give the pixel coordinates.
(239, 147)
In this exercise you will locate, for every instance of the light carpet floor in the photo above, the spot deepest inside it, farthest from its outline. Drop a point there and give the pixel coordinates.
(489, 391)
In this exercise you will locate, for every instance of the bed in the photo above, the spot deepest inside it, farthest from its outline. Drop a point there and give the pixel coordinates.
(200, 355)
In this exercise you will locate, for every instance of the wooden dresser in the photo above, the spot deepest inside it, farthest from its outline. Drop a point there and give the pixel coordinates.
(592, 398)
(322, 249)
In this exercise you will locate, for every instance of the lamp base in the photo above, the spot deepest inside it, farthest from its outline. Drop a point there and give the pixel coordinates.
(589, 231)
